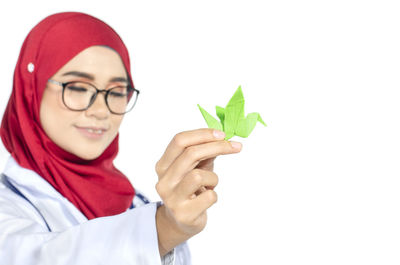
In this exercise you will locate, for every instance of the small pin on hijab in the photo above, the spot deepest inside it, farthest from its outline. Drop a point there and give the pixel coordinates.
(31, 67)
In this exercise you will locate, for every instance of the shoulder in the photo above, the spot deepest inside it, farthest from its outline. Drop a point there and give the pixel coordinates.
(16, 210)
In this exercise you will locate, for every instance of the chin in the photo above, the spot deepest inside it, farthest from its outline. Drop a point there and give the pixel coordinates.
(88, 150)
(89, 156)
(86, 156)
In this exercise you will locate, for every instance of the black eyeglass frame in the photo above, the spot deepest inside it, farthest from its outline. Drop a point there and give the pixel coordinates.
(93, 99)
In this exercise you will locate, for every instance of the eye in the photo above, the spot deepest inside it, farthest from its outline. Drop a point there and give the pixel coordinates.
(117, 94)
(77, 88)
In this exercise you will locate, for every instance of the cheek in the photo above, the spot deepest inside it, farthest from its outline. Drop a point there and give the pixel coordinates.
(54, 116)
(51, 101)
(116, 123)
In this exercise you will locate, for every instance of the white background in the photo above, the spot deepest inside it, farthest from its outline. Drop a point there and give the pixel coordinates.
(320, 184)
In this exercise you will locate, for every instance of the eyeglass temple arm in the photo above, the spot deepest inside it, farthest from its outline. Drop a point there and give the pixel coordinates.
(54, 82)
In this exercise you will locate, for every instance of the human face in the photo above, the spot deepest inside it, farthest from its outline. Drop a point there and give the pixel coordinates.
(87, 133)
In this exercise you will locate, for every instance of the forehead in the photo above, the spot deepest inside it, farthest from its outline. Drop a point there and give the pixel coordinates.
(96, 60)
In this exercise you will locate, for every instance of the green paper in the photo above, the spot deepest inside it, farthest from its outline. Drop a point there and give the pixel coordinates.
(221, 114)
(211, 121)
(232, 119)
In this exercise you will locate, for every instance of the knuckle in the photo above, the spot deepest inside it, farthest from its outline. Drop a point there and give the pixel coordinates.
(158, 168)
(178, 140)
(161, 169)
(212, 196)
(161, 190)
(192, 152)
(196, 177)
(215, 179)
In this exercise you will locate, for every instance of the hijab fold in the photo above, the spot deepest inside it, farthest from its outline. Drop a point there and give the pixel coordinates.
(96, 187)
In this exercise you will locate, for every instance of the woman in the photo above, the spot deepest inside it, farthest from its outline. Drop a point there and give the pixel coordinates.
(62, 201)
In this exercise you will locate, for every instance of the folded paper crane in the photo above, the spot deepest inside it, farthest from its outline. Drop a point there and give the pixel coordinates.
(232, 119)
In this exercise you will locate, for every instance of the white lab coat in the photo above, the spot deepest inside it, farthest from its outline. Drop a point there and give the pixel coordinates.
(25, 239)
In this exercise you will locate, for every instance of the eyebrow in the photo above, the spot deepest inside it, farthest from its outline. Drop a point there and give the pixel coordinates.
(91, 77)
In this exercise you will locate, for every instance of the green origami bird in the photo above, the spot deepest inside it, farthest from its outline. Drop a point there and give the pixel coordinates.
(232, 119)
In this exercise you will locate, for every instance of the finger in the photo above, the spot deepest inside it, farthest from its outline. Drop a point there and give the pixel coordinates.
(183, 140)
(194, 181)
(200, 191)
(207, 164)
(202, 202)
(193, 155)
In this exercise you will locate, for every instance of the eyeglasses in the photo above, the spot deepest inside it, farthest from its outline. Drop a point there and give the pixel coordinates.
(79, 96)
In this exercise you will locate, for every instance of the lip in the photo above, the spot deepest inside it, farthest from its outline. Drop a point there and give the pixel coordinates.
(84, 130)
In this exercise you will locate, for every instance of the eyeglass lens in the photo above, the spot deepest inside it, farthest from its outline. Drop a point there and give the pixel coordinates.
(79, 95)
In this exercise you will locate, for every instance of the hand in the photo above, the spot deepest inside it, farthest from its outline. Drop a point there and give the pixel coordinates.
(186, 184)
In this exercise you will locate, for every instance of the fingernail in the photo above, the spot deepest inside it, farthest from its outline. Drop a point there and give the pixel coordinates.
(218, 134)
(236, 145)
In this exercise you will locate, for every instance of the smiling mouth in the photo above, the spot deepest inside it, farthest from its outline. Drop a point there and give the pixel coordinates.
(92, 132)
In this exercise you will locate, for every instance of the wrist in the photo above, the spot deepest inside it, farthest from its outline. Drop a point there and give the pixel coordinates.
(169, 234)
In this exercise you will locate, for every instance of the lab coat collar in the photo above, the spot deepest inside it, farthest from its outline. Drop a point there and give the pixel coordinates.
(46, 199)
(28, 179)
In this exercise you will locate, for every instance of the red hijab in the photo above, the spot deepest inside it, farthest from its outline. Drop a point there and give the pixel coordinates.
(95, 187)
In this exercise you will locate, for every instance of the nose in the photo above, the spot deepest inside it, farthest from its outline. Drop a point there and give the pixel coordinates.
(99, 107)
